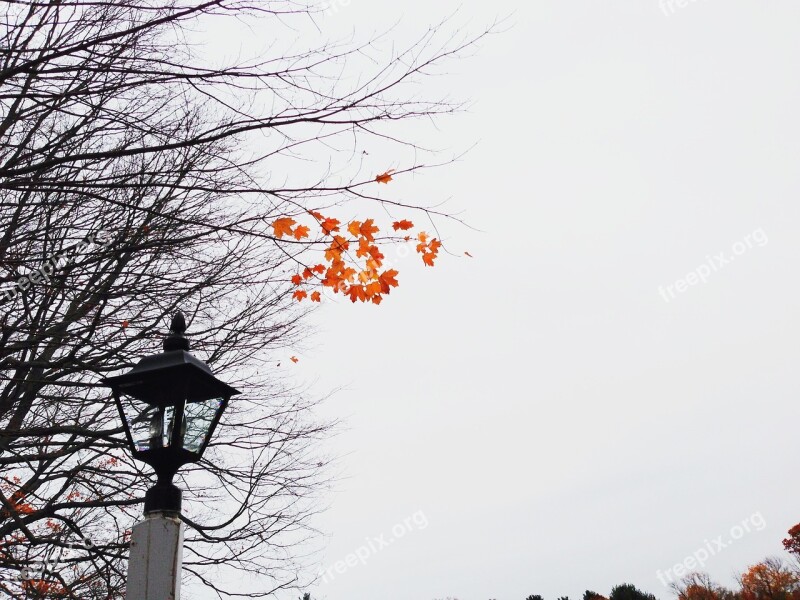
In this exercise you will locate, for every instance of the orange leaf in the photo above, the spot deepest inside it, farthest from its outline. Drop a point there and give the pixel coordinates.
(316, 297)
(368, 229)
(388, 281)
(376, 255)
(125, 324)
(307, 274)
(385, 177)
(338, 245)
(320, 269)
(294, 359)
(377, 299)
(363, 247)
(297, 280)
(403, 225)
(428, 258)
(283, 227)
(374, 289)
(354, 228)
(300, 232)
(330, 225)
(357, 292)
(317, 215)
(299, 295)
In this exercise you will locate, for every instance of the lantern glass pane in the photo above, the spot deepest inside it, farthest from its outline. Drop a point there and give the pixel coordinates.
(199, 416)
(145, 422)
(169, 420)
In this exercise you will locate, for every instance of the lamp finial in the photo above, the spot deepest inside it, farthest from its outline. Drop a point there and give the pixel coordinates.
(176, 340)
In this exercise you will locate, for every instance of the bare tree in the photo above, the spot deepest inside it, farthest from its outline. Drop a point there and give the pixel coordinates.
(138, 179)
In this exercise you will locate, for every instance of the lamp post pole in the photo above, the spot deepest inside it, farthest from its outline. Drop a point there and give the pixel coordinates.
(170, 404)
(156, 558)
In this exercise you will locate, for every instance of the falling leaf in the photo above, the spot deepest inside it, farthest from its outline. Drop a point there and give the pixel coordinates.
(468, 254)
(385, 177)
(299, 295)
(316, 297)
(300, 232)
(283, 226)
(403, 225)
(294, 359)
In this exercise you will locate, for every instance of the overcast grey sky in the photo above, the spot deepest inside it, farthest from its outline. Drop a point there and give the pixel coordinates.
(611, 382)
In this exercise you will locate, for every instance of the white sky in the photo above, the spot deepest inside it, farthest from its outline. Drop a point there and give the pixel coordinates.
(561, 426)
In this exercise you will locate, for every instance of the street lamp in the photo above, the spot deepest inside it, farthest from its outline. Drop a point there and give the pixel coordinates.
(160, 391)
(170, 404)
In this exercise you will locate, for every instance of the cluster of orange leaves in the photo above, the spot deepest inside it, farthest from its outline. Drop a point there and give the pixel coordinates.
(44, 589)
(16, 497)
(353, 261)
(792, 543)
(763, 579)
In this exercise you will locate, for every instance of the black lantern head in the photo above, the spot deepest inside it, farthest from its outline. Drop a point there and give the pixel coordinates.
(170, 404)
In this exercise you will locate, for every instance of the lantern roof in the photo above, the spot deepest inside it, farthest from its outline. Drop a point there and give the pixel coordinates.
(162, 378)
(157, 379)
